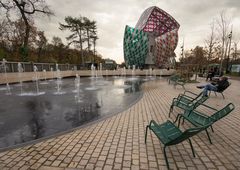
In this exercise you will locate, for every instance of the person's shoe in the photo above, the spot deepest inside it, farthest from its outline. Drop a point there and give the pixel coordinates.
(200, 87)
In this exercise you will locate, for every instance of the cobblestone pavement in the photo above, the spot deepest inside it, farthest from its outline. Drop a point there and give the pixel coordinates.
(118, 142)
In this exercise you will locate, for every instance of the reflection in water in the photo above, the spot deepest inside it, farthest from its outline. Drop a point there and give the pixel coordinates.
(36, 123)
(82, 114)
(134, 86)
(34, 117)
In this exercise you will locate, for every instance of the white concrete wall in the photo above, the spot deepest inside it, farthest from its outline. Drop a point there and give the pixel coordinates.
(28, 76)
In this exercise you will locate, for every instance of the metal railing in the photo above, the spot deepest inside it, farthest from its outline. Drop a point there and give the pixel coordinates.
(28, 66)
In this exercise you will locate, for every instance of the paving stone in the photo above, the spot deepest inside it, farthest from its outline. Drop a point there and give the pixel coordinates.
(36, 166)
(25, 167)
(83, 162)
(56, 163)
(117, 166)
(108, 167)
(50, 168)
(73, 165)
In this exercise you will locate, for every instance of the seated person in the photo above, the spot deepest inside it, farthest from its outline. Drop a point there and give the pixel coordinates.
(220, 85)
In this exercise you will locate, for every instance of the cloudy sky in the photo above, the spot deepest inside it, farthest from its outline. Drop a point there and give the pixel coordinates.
(193, 16)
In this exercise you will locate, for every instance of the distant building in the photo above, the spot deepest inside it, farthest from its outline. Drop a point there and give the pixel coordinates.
(109, 64)
(153, 40)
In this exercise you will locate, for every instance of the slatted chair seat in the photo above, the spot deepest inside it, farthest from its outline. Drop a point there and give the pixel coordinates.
(169, 134)
(166, 131)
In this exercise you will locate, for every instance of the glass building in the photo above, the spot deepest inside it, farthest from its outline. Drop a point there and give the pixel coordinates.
(153, 40)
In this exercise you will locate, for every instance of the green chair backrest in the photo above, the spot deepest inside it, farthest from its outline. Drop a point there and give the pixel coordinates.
(174, 77)
(187, 134)
(222, 113)
(196, 102)
(199, 100)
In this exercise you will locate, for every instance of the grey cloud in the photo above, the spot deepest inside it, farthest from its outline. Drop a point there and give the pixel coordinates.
(112, 16)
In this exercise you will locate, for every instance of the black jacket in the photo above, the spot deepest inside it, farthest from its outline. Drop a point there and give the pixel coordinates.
(222, 85)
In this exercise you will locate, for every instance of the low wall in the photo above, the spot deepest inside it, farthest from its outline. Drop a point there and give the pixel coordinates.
(28, 76)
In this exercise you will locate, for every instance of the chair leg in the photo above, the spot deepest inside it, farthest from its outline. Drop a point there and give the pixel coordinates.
(179, 120)
(146, 133)
(208, 137)
(223, 96)
(192, 148)
(175, 85)
(165, 156)
(212, 128)
(183, 87)
(176, 118)
(170, 110)
(215, 93)
(183, 121)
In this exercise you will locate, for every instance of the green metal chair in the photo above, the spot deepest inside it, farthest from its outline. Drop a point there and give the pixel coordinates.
(188, 96)
(169, 134)
(180, 82)
(198, 118)
(173, 78)
(187, 102)
(177, 80)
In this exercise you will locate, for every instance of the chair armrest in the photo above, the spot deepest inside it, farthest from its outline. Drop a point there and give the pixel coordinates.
(180, 96)
(186, 96)
(199, 113)
(208, 107)
(186, 91)
(175, 99)
(152, 122)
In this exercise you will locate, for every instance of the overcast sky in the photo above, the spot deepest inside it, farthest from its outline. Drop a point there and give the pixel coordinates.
(194, 17)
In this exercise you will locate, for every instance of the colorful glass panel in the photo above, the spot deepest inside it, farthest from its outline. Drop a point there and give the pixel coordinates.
(156, 23)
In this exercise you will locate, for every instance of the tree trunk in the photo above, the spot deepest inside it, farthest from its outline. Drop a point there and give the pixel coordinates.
(94, 51)
(81, 46)
(88, 40)
(25, 43)
(24, 50)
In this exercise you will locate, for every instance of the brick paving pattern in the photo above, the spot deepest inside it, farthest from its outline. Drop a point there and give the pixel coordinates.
(118, 142)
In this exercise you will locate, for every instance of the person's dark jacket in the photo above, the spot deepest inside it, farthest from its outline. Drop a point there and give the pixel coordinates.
(222, 85)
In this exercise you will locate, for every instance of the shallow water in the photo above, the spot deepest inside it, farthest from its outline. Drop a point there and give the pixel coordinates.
(28, 116)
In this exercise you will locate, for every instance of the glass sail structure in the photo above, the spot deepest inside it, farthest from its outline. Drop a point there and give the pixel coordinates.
(153, 40)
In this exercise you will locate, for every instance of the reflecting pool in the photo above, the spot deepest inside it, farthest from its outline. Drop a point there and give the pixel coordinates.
(26, 116)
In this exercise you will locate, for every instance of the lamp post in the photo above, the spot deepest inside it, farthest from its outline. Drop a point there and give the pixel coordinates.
(229, 49)
(182, 51)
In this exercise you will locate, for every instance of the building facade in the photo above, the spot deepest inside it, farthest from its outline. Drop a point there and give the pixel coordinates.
(153, 40)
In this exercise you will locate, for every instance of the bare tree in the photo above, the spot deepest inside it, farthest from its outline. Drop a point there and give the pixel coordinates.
(235, 40)
(26, 8)
(41, 43)
(223, 26)
(211, 41)
(12, 36)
